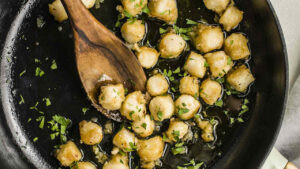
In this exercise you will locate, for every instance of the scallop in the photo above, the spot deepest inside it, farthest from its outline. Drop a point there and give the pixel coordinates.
(144, 127)
(207, 38)
(162, 107)
(171, 45)
(219, 63)
(207, 129)
(165, 10)
(90, 133)
(186, 107)
(117, 161)
(236, 46)
(147, 57)
(157, 85)
(177, 130)
(134, 106)
(84, 165)
(210, 91)
(217, 6)
(134, 7)
(68, 153)
(195, 65)
(240, 78)
(150, 149)
(112, 96)
(125, 140)
(133, 31)
(189, 85)
(231, 18)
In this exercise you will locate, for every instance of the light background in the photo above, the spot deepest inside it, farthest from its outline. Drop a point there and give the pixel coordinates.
(288, 143)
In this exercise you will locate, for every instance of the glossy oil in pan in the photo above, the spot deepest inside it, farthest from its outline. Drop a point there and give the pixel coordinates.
(245, 146)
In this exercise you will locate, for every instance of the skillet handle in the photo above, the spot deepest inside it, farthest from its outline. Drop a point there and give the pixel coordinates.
(277, 161)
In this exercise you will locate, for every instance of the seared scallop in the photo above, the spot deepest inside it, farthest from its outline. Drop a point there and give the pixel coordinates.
(57, 9)
(231, 18)
(90, 133)
(236, 46)
(171, 45)
(147, 57)
(177, 130)
(240, 78)
(125, 140)
(162, 107)
(165, 10)
(219, 63)
(134, 106)
(189, 85)
(84, 165)
(186, 107)
(112, 96)
(210, 91)
(195, 65)
(118, 161)
(134, 7)
(68, 153)
(144, 127)
(207, 37)
(217, 6)
(151, 149)
(207, 129)
(133, 31)
(157, 85)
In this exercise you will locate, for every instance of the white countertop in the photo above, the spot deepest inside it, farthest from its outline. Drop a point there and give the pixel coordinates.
(288, 142)
(288, 12)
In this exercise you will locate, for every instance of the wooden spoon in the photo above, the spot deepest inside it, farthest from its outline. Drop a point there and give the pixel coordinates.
(100, 53)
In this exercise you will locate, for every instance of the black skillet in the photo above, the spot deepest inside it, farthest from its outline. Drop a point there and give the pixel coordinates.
(245, 146)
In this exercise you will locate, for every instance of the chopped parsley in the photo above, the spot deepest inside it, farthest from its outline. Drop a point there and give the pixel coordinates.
(144, 125)
(146, 10)
(53, 65)
(35, 139)
(229, 61)
(47, 101)
(191, 165)
(39, 72)
(190, 22)
(131, 113)
(159, 115)
(182, 111)
(162, 30)
(58, 125)
(84, 110)
(219, 103)
(176, 134)
(41, 119)
(22, 73)
(206, 64)
(22, 101)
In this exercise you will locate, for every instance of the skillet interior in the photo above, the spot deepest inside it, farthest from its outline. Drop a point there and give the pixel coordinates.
(248, 144)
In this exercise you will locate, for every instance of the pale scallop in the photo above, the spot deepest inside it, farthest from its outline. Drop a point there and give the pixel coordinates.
(210, 91)
(171, 45)
(157, 85)
(134, 106)
(162, 107)
(133, 31)
(186, 107)
(195, 65)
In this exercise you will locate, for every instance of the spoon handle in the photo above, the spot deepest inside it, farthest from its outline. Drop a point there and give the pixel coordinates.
(83, 22)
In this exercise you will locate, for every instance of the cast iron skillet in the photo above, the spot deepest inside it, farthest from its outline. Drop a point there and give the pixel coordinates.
(22, 42)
